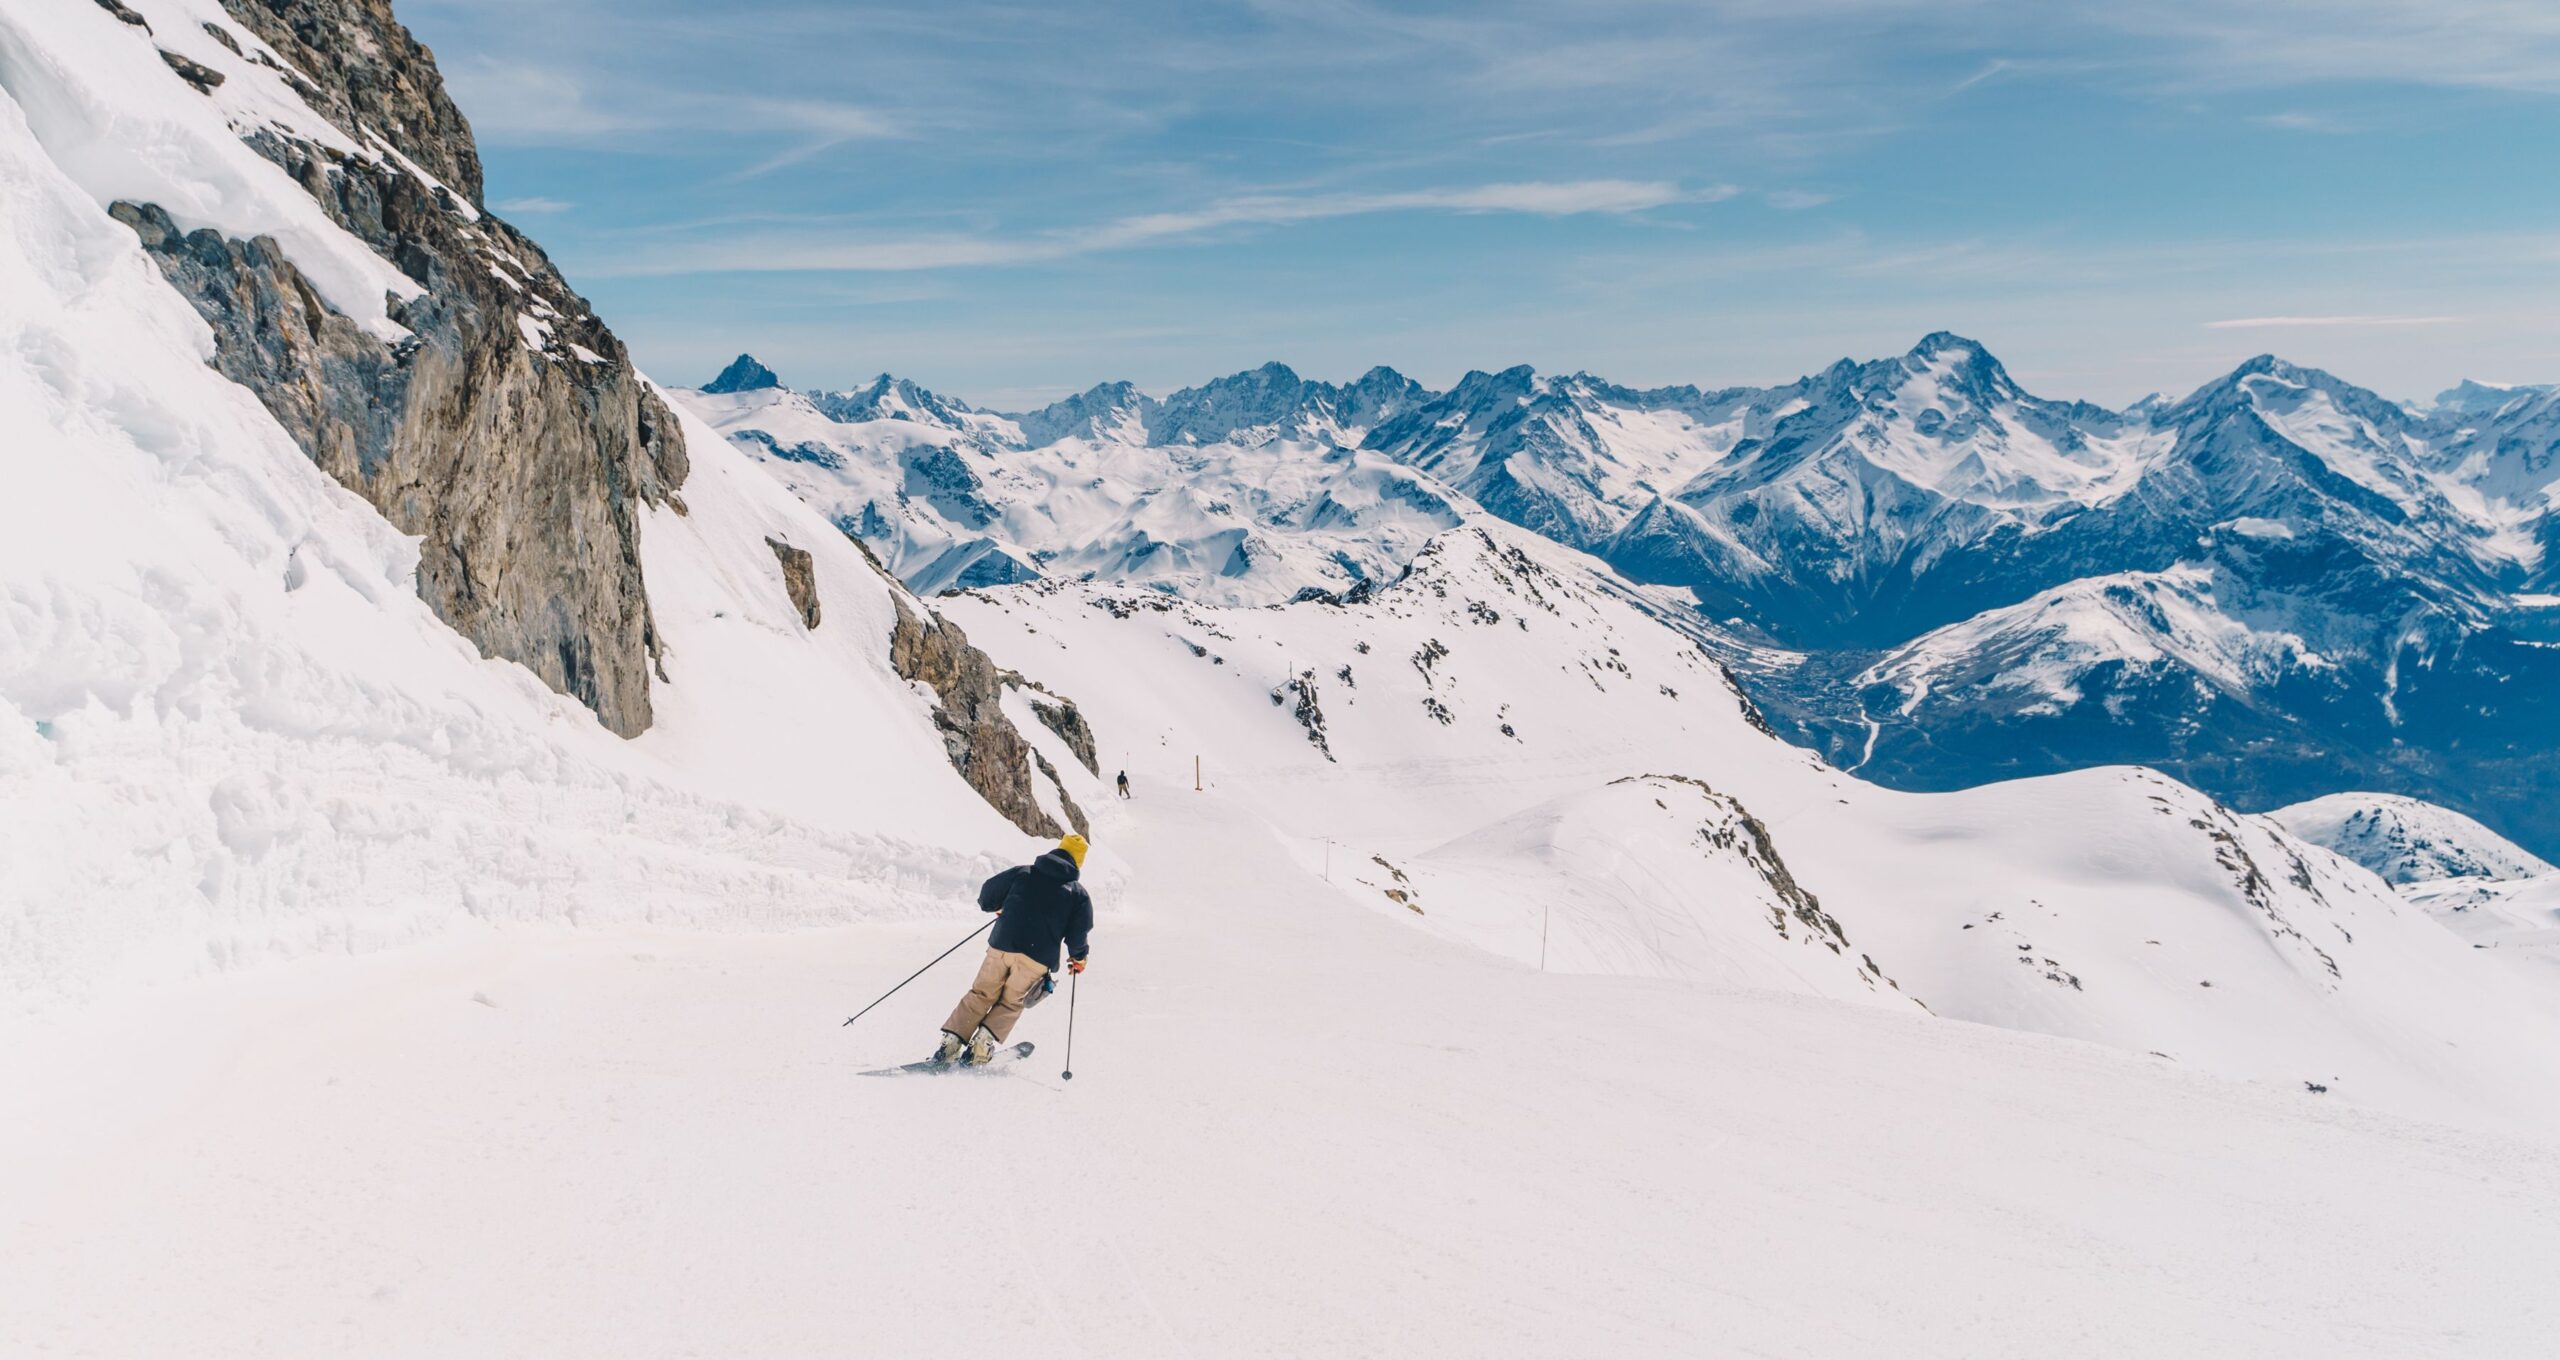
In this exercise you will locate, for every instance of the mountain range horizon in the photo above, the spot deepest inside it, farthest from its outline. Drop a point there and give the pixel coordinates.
(2279, 586)
(746, 372)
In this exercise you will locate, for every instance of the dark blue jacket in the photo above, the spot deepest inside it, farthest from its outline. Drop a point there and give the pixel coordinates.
(1042, 904)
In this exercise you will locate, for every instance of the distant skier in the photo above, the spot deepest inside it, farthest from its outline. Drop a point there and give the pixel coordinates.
(1124, 783)
(1043, 906)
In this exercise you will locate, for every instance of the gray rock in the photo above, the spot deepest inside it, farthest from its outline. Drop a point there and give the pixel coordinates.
(125, 12)
(983, 743)
(195, 73)
(799, 579)
(1063, 718)
(521, 468)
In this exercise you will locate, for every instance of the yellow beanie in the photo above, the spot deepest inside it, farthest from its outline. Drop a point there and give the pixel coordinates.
(1075, 847)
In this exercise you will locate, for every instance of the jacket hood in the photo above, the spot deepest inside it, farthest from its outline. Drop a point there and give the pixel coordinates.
(1056, 865)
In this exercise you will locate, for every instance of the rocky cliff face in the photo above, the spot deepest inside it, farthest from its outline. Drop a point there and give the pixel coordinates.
(509, 431)
(984, 745)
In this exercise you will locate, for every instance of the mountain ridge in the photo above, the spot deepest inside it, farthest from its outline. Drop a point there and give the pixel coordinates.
(2352, 576)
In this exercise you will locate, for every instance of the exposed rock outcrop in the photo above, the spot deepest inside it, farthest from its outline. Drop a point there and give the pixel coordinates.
(203, 77)
(984, 746)
(509, 432)
(1075, 815)
(125, 12)
(799, 578)
(1735, 831)
(1063, 718)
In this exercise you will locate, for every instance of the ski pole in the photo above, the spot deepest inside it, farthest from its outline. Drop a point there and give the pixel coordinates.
(1070, 1073)
(918, 973)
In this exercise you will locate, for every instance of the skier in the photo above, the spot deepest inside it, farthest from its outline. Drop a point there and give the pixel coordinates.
(1124, 783)
(1042, 905)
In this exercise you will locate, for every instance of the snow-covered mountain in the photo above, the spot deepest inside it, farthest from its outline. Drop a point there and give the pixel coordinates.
(2408, 841)
(1251, 488)
(1508, 749)
(2279, 585)
(2477, 884)
(2299, 589)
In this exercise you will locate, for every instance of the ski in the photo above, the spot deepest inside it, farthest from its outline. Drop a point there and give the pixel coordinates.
(1003, 1057)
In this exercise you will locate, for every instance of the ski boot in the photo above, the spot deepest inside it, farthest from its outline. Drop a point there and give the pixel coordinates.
(952, 1049)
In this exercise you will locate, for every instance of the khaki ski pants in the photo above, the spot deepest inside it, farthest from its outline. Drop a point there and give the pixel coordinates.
(1006, 984)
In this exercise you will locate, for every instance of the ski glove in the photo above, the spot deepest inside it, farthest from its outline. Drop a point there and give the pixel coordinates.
(1075, 965)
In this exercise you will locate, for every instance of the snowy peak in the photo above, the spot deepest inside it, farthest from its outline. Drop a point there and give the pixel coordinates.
(2408, 840)
(2508, 450)
(1269, 397)
(1380, 394)
(2469, 399)
(1274, 402)
(2274, 433)
(743, 374)
(1114, 411)
(891, 398)
(1963, 368)
(1574, 458)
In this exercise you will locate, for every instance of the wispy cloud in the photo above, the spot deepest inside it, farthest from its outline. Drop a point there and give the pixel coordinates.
(1045, 167)
(2485, 44)
(828, 125)
(770, 252)
(527, 103)
(1989, 69)
(534, 205)
(2247, 323)
(2295, 120)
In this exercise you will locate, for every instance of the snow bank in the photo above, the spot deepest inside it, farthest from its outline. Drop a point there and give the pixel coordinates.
(229, 729)
(117, 122)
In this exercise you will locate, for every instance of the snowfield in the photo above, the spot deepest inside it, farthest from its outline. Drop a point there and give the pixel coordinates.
(1296, 1128)
(1461, 738)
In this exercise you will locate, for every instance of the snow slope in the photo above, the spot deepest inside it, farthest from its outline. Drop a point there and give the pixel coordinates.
(1450, 750)
(2479, 885)
(2408, 841)
(1295, 1128)
(229, 729)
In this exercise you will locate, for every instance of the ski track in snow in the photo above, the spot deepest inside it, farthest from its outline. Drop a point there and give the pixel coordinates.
(1296, 1128)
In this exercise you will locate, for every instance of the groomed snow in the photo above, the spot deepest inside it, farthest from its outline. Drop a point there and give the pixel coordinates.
(1295, 1128)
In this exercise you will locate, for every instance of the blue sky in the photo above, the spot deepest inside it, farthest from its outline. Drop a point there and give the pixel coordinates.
(1008, 201)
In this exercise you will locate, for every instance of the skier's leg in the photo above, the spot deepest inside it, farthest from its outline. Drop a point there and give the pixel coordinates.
(1024, 975)
(986, 992)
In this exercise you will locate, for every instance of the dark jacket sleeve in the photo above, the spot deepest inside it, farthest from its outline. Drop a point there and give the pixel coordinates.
(1079, 922)
(992, 893)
